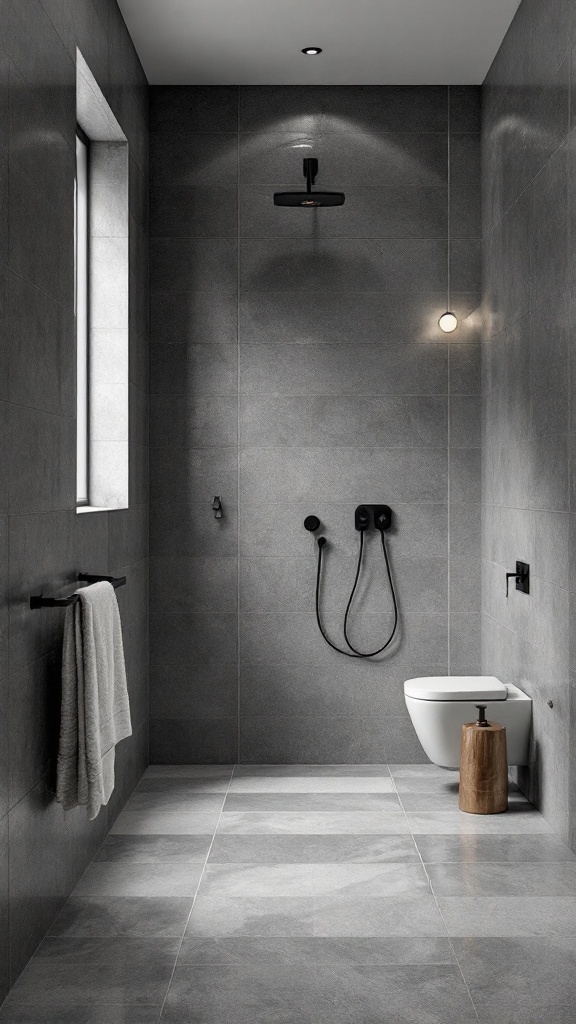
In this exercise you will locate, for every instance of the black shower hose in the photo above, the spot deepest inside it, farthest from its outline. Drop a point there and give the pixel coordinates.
(353, 652)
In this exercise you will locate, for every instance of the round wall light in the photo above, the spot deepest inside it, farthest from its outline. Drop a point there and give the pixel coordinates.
(312, 51)
(448, 322)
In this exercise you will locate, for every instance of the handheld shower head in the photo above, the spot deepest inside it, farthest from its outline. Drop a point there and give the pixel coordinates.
(309, 198)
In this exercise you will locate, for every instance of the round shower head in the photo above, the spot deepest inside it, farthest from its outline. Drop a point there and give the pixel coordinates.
(309, 198)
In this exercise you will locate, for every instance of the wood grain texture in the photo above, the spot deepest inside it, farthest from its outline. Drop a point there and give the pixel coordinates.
(483, 769)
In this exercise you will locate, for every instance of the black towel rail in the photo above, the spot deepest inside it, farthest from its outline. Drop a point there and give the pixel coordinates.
(39, 601)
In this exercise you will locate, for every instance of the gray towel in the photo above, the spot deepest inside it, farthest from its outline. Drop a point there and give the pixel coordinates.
(95, 707)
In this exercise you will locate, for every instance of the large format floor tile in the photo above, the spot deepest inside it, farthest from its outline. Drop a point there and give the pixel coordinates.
(297, 894)
(520, 980)
(314, 823)
(311, 994)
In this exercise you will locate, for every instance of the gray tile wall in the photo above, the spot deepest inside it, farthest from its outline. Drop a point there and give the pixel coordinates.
(43, 543)
(297, 367)
(529, 151)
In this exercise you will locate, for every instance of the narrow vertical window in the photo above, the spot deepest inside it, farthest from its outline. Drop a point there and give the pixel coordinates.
(82, 316)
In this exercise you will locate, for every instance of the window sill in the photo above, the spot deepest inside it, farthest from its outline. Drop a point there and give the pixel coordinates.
(80, 509)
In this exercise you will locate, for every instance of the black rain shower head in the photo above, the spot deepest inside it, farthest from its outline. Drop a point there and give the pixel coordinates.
(309, 198)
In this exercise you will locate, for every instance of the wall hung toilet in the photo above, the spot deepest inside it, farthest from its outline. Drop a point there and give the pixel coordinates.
(440, 705)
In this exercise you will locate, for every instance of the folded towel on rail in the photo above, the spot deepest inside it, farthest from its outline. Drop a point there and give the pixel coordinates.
(95, 708)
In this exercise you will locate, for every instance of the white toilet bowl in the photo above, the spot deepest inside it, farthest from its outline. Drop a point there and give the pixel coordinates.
(440, 705)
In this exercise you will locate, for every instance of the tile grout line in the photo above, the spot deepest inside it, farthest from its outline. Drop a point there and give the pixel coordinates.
(195, 895)
(238, 429)
(433, 894)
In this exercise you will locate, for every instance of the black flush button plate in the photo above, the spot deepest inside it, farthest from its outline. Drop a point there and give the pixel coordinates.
(523, 577)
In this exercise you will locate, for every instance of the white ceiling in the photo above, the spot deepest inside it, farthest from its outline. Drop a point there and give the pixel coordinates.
(365, 42)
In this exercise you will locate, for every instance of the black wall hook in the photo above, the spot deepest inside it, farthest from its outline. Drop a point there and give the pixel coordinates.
(217, 507)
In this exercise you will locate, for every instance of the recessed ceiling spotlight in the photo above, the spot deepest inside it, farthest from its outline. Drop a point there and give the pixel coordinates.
(311, 51)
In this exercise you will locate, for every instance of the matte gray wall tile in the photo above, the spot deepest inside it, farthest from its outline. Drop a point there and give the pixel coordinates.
(343, 369)
(417, 529)
(197, 108)
(47, 443)
(332, 474)
(181, 265)
(400, 212)
(193, 317)
(34, 723)
(393, 265)
(281, 421)
(367, 367)
(195, 475)
(186, 422)
(182, 369)
(214, 589)
(345, 159)
(193, 663)
(343, 108)
(49, 544)
(183, 159)
(179, 528)
(358, 317)
(213, 740)
(282, 739)
(465, 108)
(4, 908)
(193, 212)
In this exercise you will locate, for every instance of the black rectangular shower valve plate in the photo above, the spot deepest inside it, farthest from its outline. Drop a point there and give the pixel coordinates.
(379, 516)
(523, 577)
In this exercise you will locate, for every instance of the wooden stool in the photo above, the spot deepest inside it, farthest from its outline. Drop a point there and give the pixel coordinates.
(483, 767)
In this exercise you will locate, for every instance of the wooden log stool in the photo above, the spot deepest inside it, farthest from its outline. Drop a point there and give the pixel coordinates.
(483, 767)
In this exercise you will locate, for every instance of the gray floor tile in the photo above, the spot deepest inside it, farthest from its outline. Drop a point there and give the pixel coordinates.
(309, 995)
(307, 950)
(133, 971)
(364, 823)
(456, 822)
(421, 771)
(443, 801)
(312, 802)
(356, 880)
(520, 981)
(13, 1013)
(293, 771)
(128, 916)
(241, 916)
(216, 773)
(183, 784)
(173, 801)
(302, 849)
(106, 881)
(142, 823)
(311, 784)
(386, 917)
(528, 879)
(509, 915)
(150, 849)
(508, 849)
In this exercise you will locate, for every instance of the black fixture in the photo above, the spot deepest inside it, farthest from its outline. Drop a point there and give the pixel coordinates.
(522, 577)
(364, 516)
(309, 198)
(481, 708)
(382, 517)
(39, 601)
(312, 51)
(217, 507)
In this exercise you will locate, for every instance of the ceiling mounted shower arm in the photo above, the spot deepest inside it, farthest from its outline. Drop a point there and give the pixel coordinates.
(310, 172)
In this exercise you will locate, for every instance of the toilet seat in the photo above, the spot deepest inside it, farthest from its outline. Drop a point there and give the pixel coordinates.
(456, 688)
